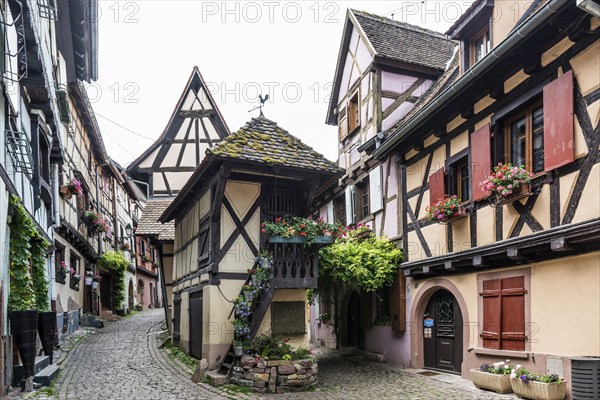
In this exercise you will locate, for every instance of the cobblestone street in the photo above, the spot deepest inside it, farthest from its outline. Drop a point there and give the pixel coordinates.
(122, 361)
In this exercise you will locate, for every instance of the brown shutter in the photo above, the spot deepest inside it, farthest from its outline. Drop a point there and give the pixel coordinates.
(513, 313)
(558, 122)
(491, 314)
(398, 303)
(480, 161)
(436, 186)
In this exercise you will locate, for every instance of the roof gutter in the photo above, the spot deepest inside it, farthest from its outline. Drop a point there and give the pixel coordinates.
(513, 39)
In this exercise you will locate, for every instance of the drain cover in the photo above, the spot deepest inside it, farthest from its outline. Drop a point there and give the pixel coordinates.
(428, 373)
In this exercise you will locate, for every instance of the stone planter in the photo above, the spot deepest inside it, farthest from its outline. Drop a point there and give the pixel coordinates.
(275, 376)
(495, 382)
(539, 390)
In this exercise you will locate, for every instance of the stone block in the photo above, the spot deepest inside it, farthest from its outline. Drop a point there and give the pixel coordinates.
(259, 390)
(201, 370)
(292, 376)
(273, 380)
(261, 364)
(300, 382)
(261, 377)
(282, 380)
(306, 364)
(260, 384)
(304, 376)
(286, 369)
(248, 361)
(245, 382)
(238, 369)
(259, 370)
(277, 363)
(216, 379)
(249, 375)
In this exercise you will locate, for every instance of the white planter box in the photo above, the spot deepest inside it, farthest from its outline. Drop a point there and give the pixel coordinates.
(495, 382)
(539, 390)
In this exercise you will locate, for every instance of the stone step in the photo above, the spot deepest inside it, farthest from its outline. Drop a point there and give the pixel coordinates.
(216, 379)
(41, 362)
(47, 375)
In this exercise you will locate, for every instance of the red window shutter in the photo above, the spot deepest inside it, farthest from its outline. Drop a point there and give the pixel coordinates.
(558, 122)
(491, 314)
(436, 186)
(513, 313)
(480, 161)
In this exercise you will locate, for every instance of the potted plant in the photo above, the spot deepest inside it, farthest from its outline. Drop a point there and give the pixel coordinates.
(238, 348)
(73, 187)
(89, 275)
(507, 184)
(300, 230)
(494, 377)
(61, 273)
(249, 292)
(94, 222)
(536, 386)
(445, 210)
(96, 279)
(75, 278)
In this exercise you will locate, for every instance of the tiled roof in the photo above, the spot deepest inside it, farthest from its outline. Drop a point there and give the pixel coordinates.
(404, 42)
(263, 141)
(149, 224)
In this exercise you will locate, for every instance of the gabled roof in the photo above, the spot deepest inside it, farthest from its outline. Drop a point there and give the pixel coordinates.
(149, 224)
(263, 141)
(392, 42)
(404, 42)
(194, 86)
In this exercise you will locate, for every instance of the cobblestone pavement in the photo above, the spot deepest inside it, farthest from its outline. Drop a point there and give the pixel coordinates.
(123, 361)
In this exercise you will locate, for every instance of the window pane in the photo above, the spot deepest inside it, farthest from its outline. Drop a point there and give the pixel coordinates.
(479, 49)
(518, 142)
(538, 140)
(464, 182)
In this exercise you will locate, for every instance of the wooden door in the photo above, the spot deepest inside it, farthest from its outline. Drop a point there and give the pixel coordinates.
(354, 328)
(196, 325)
(442, 333)
(106, 291)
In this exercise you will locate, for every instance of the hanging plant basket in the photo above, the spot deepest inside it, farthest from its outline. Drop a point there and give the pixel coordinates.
(24, 327)
(65, 192)
(300, 239)
(88, 280)
(518, 194)
(47, 329)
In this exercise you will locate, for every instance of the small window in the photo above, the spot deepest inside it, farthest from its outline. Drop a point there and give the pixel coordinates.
(353, 113)
(75, 273)
(524, 139)
(339, 210)
(459, 179)
(382, 306)
(362, 200)
(480, 45)
(59, 258)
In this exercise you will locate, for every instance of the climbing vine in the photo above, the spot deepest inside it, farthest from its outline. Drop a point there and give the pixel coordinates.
(359, 258)
(28, 283)
(117, 264)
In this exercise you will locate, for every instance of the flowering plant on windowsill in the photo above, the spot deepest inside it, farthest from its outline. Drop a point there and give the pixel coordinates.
(74, 275)
(444, 209)
(94, 222)
(74, 187)
(63, 269)
(525, 376)
(506, 179)
(307, 228)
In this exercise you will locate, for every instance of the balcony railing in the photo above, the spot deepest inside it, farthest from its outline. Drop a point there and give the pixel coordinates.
(295, 264)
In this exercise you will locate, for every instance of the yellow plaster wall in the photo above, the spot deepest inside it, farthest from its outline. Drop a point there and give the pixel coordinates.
(289, 295)
(567, 184)
(505, 16)
(461, 234)
(459, 143)
(589, 206)
(541, 210)
(567, 287)
(486, 231)
(509, 219)
(555, 51)
(586, 66)
(483, 104)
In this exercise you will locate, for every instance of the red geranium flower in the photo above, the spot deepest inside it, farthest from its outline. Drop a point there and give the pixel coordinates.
(303, 234)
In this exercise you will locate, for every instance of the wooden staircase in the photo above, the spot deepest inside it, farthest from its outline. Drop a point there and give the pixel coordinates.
(258, 311)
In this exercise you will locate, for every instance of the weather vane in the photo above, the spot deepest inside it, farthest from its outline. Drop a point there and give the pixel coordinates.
(262, 103)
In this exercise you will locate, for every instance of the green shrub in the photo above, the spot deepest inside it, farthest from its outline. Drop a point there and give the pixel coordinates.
(117, 264)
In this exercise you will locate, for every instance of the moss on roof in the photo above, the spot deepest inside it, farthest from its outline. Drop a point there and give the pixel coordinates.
(263, 141)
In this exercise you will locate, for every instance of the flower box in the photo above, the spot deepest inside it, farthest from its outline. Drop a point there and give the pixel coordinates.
(462, 212)
(539, 390)
(499, 383)
(300, 239)
(519, 193)
(65, 192)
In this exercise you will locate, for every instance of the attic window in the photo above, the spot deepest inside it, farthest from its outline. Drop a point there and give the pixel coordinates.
(480, 45)
(353, 113)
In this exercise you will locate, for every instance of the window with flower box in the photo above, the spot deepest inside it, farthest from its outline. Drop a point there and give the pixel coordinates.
(75, 273)
(361, 202)
(59, 258)
(339, 209)
(459, 176)
(524, 138)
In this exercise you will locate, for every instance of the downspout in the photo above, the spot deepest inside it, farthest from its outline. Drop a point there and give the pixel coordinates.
(507, 45)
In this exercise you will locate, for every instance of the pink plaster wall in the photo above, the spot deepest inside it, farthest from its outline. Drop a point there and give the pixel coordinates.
(395, 346)
(396, 115)
(395, 82)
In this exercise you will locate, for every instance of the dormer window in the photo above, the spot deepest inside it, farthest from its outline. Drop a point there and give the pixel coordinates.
(349, 117)
(480, 45)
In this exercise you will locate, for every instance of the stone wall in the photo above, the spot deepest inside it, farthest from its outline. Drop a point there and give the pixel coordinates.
(275, 376)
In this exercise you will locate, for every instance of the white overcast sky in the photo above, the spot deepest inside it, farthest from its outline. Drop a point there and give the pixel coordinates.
(287, 49)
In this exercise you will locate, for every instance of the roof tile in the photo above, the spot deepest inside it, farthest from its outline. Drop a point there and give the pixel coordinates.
(149, 224)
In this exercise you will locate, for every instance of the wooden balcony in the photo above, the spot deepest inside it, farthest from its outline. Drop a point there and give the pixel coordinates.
(295, 263)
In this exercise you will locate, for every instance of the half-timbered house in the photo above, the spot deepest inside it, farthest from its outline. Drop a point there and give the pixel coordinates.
(258, 173)
(384, 68)
(195, 125)
(515, 279)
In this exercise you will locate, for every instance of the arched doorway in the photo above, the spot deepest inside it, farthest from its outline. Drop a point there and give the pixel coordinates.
(141, 292)
(443, 333)
(130, 297)
(353, 325)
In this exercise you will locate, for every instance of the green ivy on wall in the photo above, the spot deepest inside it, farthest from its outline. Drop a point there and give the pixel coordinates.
(28, 283)
(117, 264)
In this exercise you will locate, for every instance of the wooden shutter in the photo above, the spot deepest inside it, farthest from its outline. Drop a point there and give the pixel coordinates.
(491, 314)
(375, 191)
(480, 160)
(558, 122)
(349, 197)
(436, 186)
(398, 303)
(513, 313)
